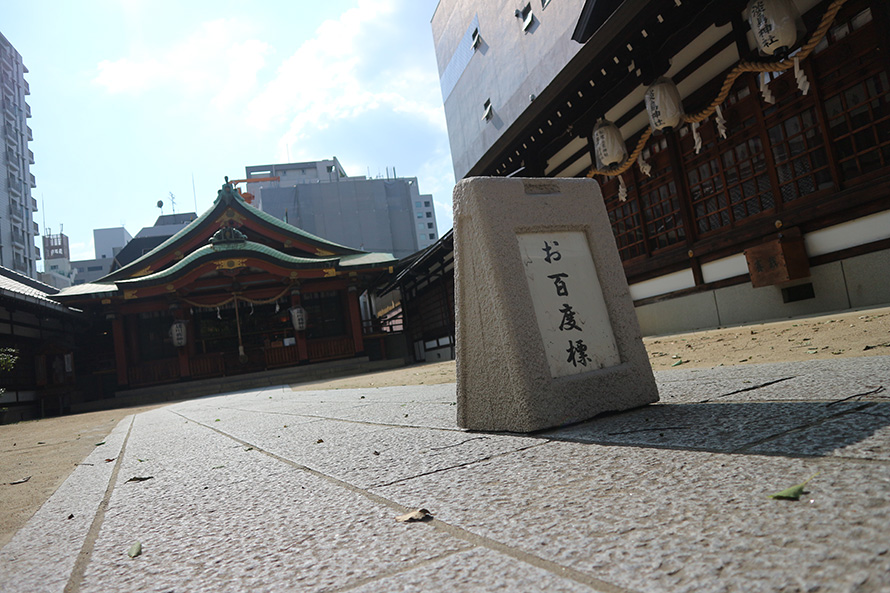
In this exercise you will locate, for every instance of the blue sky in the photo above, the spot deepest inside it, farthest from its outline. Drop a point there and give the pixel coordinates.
(131, 99)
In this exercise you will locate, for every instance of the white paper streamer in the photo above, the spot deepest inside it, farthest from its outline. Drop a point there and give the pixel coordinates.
(721, 123)
(622, 189)
(645, 167)
(800, 76)
(764, 89)
(696, 136)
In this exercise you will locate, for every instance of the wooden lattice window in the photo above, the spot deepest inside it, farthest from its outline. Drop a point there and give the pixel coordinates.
(625, 219)
(856, 95)
(729, 178)
(659, 201)
(799, 155)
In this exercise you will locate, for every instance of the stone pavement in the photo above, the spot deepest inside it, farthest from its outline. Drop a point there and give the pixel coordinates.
(277, 490)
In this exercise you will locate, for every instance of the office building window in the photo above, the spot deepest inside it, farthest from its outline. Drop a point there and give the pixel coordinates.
(429, 225)
(429, 214)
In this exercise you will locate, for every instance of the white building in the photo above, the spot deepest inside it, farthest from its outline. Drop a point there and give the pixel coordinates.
(17, 227)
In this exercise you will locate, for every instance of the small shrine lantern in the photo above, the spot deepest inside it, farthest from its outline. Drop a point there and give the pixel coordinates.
(608, 146)
(774, 25)
(664, 105)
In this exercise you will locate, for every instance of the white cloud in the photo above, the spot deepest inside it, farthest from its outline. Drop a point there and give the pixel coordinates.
(215, 62)
(347, 70)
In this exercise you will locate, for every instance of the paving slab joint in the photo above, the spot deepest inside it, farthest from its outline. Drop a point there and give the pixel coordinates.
(469, 537)
(86, 551)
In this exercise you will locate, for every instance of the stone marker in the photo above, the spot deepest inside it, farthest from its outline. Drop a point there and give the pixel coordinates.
(546, 329)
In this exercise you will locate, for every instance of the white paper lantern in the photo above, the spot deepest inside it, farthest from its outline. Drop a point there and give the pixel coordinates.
(774, 25)
(608, 145)
(178, 334)
(663, 104)
(298, 318)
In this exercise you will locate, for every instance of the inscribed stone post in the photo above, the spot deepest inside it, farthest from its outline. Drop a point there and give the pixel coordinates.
(546, 329)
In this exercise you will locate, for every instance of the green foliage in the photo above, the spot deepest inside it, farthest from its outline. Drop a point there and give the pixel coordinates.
(8, 358)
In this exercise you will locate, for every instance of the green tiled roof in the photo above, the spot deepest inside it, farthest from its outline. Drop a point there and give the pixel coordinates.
(251, 249)
(225, 198)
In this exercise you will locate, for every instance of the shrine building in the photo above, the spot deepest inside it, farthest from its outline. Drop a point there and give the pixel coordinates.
(235, 291)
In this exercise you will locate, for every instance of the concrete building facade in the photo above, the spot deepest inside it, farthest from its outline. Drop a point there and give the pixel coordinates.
(17, 207)
(387, 215)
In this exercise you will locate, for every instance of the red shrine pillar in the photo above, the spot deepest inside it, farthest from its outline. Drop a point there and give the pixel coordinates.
(355, 318)
(120, 350)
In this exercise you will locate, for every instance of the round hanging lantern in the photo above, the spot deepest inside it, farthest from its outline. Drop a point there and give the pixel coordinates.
(608, 145)
(664, 104)
(774, 25)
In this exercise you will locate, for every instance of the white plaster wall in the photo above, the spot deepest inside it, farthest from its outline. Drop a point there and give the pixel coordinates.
(848, 234)
(728, 267)
(662, 285)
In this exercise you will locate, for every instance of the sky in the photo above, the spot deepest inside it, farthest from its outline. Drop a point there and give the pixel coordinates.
(132, 100)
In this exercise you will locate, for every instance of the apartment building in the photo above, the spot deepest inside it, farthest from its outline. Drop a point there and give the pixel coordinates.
(17, 207)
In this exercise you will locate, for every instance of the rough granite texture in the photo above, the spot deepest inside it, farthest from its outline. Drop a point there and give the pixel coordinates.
(671, 498)
(503, 378)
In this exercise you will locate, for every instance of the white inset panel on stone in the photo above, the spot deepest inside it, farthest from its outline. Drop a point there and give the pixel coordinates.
(568, 302)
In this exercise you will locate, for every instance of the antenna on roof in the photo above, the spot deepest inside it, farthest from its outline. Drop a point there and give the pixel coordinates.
(172, 202)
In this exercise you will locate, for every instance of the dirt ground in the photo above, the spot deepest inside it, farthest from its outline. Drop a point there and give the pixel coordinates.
(46, 451)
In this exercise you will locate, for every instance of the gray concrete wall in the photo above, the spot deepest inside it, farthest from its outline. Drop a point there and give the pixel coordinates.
(370, 214)
(509, 66)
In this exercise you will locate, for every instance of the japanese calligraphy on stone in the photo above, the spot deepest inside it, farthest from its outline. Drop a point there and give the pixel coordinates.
(568, 302)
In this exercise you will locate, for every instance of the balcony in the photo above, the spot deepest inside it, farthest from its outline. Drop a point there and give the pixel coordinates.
(35, 229)
(31, 156)
(33, 204)
(15, 188)
(18, 237)
(12, 159)
(16, 212)
(31, 181)
(27, 88)
(27, 110)
(30, 133)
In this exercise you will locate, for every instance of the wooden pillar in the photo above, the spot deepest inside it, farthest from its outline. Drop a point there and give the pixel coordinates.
(120, 350)
(296, 300)
(355, 319)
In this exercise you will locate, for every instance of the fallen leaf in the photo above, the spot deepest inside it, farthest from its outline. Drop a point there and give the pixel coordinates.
(22, 481)
(217, 467)
(794, 492)
(678, 363)
(376, 452)
(71, 516)
(110, 460)
(135, 550)
(319, 441)
(418, 515)
(139, 478)
(102, 443)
